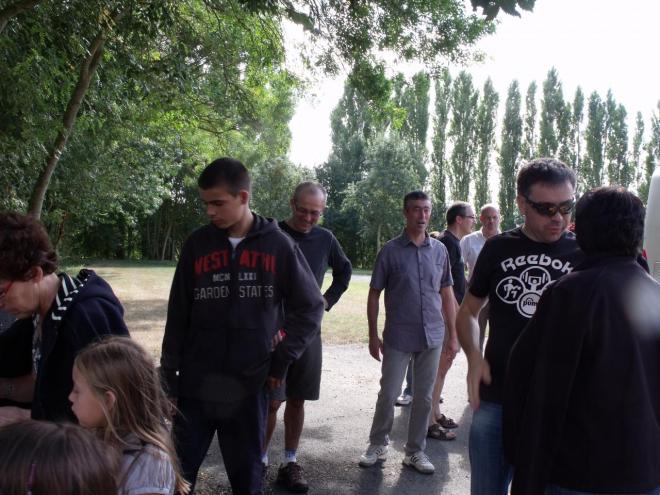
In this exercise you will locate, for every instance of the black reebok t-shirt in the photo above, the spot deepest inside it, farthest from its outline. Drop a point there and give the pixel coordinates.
(512, 271)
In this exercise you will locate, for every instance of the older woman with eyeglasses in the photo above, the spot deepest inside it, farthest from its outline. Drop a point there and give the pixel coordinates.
(63, 313)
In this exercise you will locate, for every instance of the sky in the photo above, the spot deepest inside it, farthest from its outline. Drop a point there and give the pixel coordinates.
(597, 44)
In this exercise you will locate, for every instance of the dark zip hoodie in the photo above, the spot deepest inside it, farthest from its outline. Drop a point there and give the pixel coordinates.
(225, 306)
(84, 311)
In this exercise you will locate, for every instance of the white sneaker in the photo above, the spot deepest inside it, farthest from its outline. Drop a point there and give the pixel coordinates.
(419, 461)
(373, 454)
(404, 399)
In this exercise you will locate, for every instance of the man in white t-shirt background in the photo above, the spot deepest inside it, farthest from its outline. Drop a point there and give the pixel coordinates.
(471, 247)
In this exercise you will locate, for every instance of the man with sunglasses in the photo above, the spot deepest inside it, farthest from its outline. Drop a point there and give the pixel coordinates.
(303, 380)
(512, 271)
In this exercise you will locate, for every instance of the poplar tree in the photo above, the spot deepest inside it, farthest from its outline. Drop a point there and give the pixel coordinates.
(512, 129)
(637, 146)
(564, 135)
(619, 170)
(593, 159)
(576, 130)
(485, 138)
(652, 155)
(528, 147)
(415, 101)
(464, 100)
(413, 98)
(439, 171)
(552, 105)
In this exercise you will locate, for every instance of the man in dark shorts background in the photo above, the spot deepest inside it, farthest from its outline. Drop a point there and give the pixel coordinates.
(303, 380)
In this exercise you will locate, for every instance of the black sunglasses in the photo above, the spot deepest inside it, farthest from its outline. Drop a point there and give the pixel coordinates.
(551, 209)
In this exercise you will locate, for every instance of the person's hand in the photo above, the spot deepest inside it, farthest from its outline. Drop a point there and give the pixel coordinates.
(478, 371)
(272, 383)
(375, 347)
(12, 414)
(452, 347)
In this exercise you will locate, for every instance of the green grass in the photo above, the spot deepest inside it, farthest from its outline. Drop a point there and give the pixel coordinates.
(143, 288)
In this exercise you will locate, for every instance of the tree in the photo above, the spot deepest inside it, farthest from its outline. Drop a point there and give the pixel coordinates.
(637, 147)
(576, 131)
(593, 160)
(414, 99)
(77, 45)
(652, 155)
(353, 125)
(552, 106)
(619, 170)
(485, 137)
(12, 10)
(273, 182)
(439, 170)
(462, 133)
(378, 199)
(565, 137)
(529, 144)
(509, 155)
(492, 7)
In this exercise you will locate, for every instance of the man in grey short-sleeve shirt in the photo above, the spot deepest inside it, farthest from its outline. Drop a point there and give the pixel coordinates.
(414, 271)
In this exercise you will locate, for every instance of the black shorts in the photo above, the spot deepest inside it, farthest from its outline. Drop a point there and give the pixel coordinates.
(303, 378)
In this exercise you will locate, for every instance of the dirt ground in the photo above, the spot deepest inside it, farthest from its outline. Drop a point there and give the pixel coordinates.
(336, 426)
(336, 433)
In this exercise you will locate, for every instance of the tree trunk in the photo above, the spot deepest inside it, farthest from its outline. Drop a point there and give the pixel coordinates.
(165, 241)
(87, 70)
(60, 230)
(378, 238)
(15, 9)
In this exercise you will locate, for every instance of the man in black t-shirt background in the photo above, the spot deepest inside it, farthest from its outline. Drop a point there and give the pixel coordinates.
(460, 222)
(511, 272)
(321, 249)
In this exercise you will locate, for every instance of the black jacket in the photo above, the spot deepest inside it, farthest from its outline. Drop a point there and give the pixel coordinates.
(225, 306)
(84, 310)
(582, 397)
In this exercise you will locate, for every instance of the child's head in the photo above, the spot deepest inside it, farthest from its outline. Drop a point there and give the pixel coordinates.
(118, 390)
(39, 458)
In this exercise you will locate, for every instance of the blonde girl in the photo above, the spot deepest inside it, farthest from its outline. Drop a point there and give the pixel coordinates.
(117, 392)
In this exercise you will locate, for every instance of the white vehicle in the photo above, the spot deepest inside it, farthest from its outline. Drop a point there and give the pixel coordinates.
(652, 226)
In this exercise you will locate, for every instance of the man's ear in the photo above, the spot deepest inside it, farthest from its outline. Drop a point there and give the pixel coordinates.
(244, 195)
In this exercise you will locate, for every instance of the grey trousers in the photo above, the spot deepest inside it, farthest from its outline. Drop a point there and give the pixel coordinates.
(393, 370)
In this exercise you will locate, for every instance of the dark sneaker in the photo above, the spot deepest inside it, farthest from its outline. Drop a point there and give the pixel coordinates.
(291, 477)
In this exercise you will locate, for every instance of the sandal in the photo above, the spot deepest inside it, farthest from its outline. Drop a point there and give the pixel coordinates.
(436, 432)
(446, 422)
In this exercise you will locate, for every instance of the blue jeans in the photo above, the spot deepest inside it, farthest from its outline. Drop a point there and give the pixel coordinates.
(491, 474)
(556, 490)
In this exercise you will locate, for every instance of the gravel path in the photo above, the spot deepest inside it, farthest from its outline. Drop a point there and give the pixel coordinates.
(336, 432)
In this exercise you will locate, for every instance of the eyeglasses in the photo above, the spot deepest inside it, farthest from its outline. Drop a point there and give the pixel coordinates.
(551, 209)
(3, 292)
(469, 216)
(305, 211)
